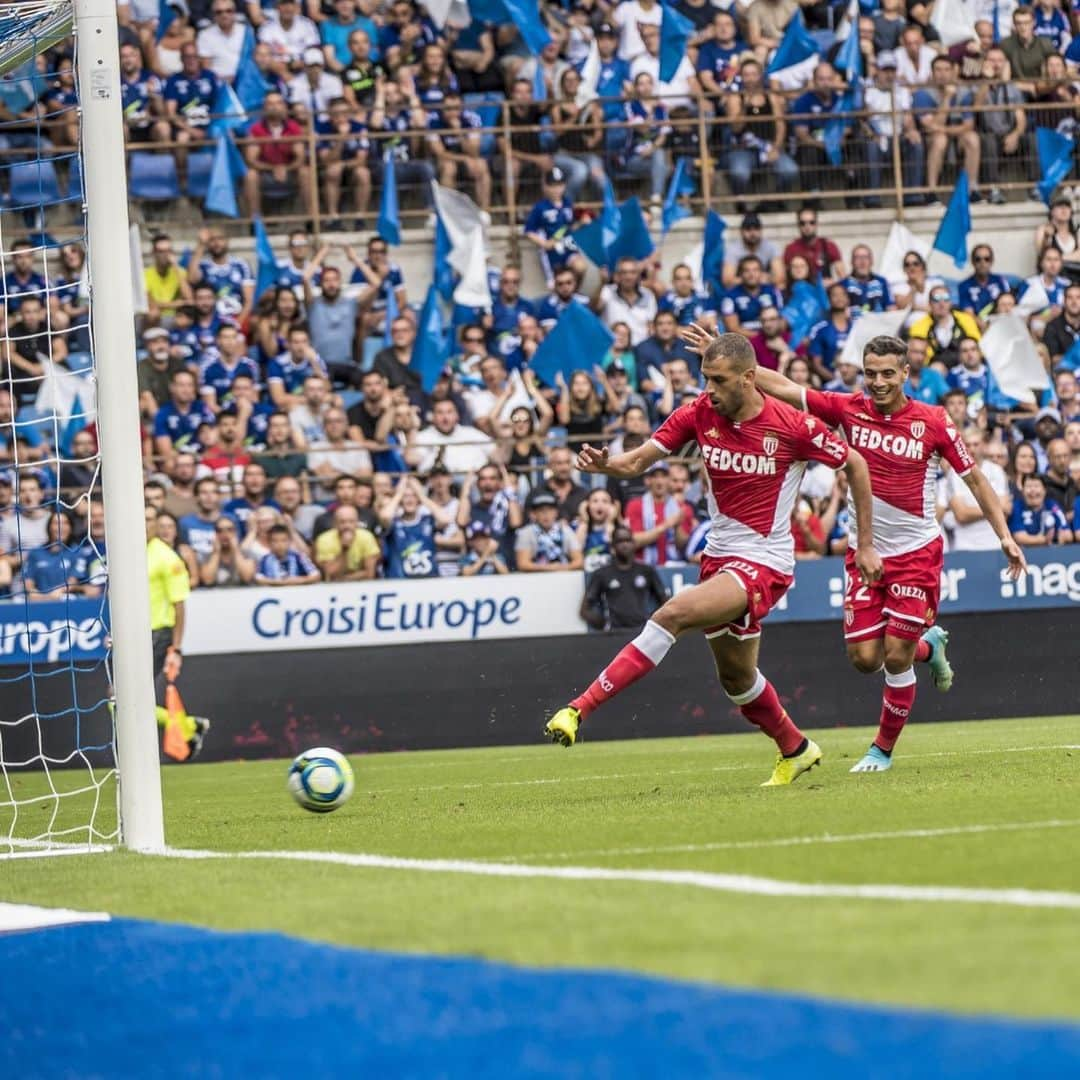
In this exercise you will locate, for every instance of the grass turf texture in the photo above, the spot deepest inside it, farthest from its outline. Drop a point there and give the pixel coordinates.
(632, 804)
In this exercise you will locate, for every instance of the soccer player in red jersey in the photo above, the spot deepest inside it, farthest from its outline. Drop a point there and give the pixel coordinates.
(754, 451)
(889, 623)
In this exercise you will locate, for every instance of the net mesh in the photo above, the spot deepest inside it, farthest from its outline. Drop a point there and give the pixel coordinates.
(57, 748)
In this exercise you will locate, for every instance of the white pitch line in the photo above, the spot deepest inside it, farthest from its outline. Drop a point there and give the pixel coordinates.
(731, 883)
(799, 841)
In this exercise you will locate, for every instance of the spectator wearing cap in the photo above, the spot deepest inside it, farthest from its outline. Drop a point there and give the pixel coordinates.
(1037, 521)
(944, 327)
(686, 302)
(556, 302)
(314, 88)
(481, 552)
(156, 370)
(284, 564)
(741, 306)
(979, 292)
(276, 154)
(752, 241)
(548, 227)
(758, 130)
(822, 255)
(613, 80)
(546, 543)
(626, 300)
(866, 290)
(459, 447)
(847, 378)
(222, 42)
(622, 594)
(619, 393)
(661, 523)
(879, 97)
(289, 35)
(1047, 428)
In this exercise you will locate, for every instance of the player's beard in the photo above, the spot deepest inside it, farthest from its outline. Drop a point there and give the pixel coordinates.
(730, 406)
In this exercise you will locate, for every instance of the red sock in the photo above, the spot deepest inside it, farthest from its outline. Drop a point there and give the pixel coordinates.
(897, 699)
(634, 662)
(922, 651)
(761, 706)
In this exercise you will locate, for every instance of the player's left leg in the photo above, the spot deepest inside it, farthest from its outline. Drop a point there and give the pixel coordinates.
(736, 666)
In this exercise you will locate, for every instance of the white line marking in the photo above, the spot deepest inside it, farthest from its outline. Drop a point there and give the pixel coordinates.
(798, 841)
(48, 853)
(732, 883)
(25, 917)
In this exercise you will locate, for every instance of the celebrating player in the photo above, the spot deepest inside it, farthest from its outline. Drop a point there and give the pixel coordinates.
(890, 623)
(754, 451)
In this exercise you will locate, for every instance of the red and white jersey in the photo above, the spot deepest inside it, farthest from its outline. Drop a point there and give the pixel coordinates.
(903, 452)
(755, 468)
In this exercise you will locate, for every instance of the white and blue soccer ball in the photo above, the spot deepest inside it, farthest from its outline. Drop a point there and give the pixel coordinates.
(320, 780)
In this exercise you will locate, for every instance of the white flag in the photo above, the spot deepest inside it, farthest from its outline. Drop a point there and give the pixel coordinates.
(590, 76)
(901, 240)
(472, 290)
(954, 20)
(1017, 366)
(867, 326)
(454, 12)
(1034, 299)
(465, 225)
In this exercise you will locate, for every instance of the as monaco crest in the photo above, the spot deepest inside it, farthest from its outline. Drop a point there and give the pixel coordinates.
(918, 429)
(770, 444)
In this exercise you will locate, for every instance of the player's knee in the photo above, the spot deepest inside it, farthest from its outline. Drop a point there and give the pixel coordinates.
(864, 660)
(672, 617)
(736, 683)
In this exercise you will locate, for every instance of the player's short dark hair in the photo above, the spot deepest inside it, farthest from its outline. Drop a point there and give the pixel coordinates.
(735, 348)
(886, 345)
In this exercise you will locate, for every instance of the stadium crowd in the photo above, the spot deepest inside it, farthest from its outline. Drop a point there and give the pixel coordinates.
(288, 438)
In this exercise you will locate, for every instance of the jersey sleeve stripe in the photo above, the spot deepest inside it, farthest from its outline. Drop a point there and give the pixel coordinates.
(667, 449)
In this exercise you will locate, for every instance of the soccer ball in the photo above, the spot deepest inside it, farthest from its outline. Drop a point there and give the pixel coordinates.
(320, 780)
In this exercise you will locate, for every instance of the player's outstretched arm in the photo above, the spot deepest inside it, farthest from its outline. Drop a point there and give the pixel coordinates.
(990, 505)
(866, 558)
(592, 459)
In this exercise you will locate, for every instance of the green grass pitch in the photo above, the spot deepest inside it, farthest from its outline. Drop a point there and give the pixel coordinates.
(990, 804)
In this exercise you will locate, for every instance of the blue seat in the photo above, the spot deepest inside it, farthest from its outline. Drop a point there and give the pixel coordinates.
(153, 176)
(34, 184)
(75, 180)
(199, 167)
(349, 398)
(78, 362)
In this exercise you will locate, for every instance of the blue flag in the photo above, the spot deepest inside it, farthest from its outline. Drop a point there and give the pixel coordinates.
(712, 258)
(539, 89)
(429, 352)
(388, 224)
(525, 15)
(803, 311)
(796, 47)
(594, 241)
(633, 239)
(165, 18)
(267, 268)
(675, 31)
(953, 231)
(1055, 160)
(251, 88)
(609, 215)
(682, 183)
(579, 340)
(837, 125)
(227, 169)
(391, 314)
(229, 113)
(443, 272)
(849, 58)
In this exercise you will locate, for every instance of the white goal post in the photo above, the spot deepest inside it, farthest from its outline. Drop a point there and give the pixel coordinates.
(113, 332)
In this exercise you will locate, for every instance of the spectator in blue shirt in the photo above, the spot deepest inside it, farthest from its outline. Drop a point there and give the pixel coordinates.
(548, 227)
(22, 279)
(48, 570)
(455, 143)
(979, 292)
(404, 35)
(866, 290)
(555, 303)
(378, 277)
(815, 107)
(847, 380)
(229, 277)
(970, 375)
(614, 77)
(189, 101)
(221, 364)
(335, 35)
(1053, 24)
(828, 337)
(925, 384)
(508, 305)
(253, 495)
(663, 346)
(284, 564)
(140, 99)
(482, 552)
(1037, 521)
(684, 301)
(741, 306)
(197, 530)
(342, 151)
(204, 328)
(178, 420)
(286, 373)
(649, 135)
(717, 59)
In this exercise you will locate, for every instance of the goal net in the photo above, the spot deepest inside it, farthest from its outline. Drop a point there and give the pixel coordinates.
(59, 709)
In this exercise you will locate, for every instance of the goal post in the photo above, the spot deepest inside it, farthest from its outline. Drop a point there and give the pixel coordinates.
(112, 324)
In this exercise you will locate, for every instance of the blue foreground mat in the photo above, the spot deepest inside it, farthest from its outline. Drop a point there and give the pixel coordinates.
(129, 998)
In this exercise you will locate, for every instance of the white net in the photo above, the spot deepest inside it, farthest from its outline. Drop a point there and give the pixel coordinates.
(57, 748)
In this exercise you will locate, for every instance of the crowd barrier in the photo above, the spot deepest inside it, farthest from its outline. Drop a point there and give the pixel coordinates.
(387, 612)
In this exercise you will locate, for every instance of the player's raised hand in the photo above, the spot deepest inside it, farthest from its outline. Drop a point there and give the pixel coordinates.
(1015, 554)
(696, 336)
(592, 460)
(868, 562)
